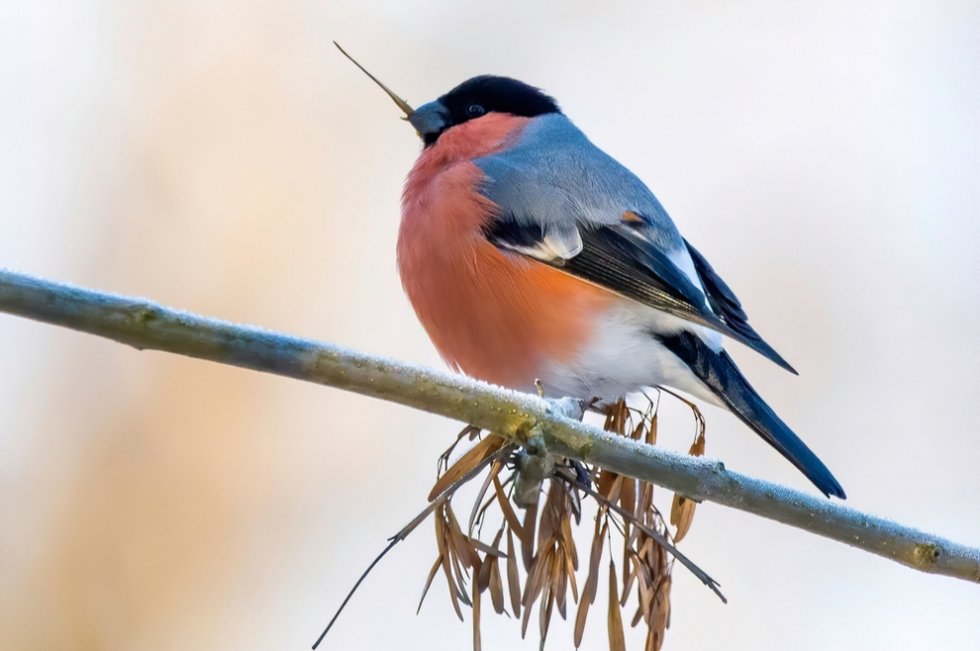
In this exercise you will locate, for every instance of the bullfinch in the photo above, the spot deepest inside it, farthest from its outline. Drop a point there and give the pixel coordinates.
(529, 253)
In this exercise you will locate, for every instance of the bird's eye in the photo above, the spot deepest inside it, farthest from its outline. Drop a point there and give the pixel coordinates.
(475, 110)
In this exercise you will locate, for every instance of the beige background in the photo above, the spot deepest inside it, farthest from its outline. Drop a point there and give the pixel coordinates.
(222, 157)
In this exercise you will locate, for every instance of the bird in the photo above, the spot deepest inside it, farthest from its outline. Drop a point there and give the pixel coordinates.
(531, 255)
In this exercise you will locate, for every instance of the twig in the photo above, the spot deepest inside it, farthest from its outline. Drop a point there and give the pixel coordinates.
(147, 325)
(409, 528)
(657, 537)
(534, 465)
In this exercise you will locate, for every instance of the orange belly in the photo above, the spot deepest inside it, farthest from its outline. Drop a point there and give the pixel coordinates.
(494, 315)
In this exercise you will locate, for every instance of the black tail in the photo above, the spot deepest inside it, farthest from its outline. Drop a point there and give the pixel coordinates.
(719, 373)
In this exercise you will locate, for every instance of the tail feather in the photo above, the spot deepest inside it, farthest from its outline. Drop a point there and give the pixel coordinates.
(719, 373)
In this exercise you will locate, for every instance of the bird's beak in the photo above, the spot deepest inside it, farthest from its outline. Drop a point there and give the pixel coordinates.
(402, 104)
(430, 120)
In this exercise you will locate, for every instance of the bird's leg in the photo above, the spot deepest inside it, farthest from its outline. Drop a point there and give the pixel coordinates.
(539, 385)
(582, 476)
(535, 463)
(573, 408)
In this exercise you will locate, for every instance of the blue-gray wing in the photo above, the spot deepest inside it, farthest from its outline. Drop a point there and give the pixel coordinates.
(566, 203)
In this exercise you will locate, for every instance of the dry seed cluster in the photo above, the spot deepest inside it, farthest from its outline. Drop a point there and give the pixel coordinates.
(545, 551)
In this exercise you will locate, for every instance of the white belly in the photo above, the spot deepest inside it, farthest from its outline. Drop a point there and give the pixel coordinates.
(624, 356)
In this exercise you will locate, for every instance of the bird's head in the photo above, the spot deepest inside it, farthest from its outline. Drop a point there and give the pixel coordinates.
(470, 100)
(475, 98)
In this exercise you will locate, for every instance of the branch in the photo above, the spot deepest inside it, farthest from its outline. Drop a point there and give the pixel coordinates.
(147, 325)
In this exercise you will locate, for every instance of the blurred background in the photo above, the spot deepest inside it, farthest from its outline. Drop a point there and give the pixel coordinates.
(222, 157)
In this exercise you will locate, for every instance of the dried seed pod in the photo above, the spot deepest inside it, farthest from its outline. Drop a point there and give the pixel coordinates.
(473, 458)
(614, 623)
(682, 508)
(477, 643)
(428, 582)
(513, 576)
(591, 580)
(496, 585)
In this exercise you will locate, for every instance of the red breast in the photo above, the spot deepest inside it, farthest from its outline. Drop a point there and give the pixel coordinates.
(494, 315)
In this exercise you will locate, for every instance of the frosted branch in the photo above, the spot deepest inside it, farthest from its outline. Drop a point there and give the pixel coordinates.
(144, 324)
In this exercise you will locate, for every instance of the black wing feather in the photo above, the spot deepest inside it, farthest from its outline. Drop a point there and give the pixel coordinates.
(720, 295)
(509, 233)
(720, 374)
(639, 269)
(618, 258)
(724, 302)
